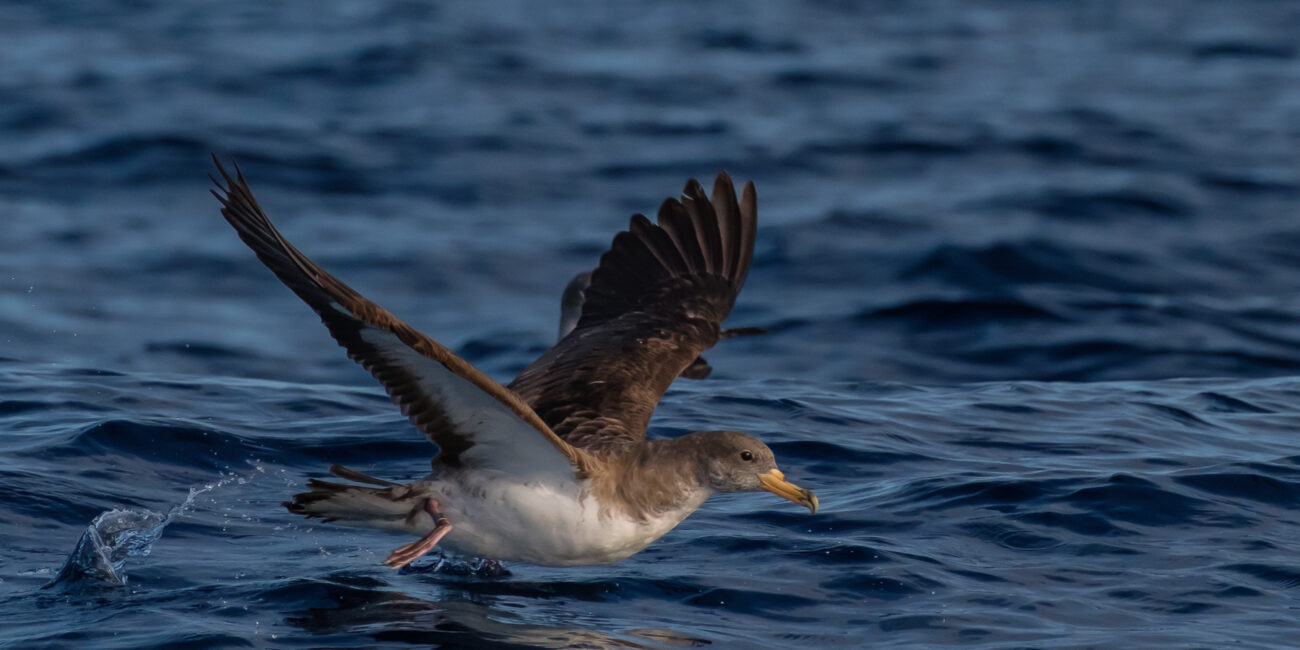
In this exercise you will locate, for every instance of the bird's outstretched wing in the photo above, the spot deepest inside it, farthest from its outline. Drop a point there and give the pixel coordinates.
(656, 302)
(475, 421)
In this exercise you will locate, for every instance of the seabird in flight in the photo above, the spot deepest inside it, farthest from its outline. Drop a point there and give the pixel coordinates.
(555, 468)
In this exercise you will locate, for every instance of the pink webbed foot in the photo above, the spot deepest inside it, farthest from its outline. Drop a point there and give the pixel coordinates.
(408, 553)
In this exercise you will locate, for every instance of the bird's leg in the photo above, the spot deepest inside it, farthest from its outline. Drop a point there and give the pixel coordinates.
(408, 553)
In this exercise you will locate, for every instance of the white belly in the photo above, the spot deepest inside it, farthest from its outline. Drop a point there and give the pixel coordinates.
(497, 517)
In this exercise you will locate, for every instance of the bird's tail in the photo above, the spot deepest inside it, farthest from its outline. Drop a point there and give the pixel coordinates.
(393, 506)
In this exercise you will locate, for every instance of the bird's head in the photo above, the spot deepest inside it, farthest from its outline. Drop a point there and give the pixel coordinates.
(735, 462)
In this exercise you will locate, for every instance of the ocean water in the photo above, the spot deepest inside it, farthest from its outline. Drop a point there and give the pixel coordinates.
(1029, 271)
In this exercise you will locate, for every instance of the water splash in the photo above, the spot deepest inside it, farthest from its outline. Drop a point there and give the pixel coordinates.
(461, 567)
(115, 535)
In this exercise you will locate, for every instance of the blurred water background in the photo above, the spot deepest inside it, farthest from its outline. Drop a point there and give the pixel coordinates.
(1031, 273)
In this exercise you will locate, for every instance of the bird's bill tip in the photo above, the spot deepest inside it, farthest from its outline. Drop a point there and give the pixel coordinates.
(774, 481)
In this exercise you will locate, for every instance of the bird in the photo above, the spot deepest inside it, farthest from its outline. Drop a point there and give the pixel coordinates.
(553, 469)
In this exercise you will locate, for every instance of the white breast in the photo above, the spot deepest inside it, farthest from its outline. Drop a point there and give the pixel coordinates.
(545, 523)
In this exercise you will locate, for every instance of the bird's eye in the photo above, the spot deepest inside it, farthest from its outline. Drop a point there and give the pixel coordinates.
(746, 455)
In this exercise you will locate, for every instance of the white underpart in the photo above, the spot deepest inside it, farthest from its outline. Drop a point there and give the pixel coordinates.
(546, 523)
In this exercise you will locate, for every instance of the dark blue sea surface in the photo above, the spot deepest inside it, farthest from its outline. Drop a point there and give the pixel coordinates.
(1030, 271)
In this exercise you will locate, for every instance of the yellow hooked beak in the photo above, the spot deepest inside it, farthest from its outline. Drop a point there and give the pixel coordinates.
(774, 481)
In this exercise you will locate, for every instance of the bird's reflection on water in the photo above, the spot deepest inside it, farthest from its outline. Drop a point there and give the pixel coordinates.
(475, 613)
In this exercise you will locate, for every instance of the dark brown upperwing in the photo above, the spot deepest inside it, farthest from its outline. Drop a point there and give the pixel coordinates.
(571, 311)
(656, 302)
(472, 419)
